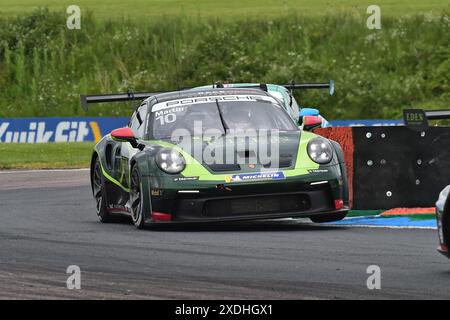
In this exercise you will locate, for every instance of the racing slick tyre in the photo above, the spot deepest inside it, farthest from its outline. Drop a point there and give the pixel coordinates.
(328, 217)
(99, 192)
(137, 199)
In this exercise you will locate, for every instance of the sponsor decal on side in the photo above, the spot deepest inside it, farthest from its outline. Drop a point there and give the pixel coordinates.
(255, 176)
(157, 192)
(318, 170)
(181, 179)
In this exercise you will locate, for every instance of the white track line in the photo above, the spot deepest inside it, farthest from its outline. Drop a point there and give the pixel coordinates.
(43, 170)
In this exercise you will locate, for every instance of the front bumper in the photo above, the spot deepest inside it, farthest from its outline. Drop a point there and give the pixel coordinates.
(269, 200)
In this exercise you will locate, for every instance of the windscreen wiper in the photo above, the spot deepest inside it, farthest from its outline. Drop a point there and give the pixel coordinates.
(222, 120)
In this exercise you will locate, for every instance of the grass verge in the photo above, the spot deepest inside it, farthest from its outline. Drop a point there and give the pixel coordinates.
(231, 9)
(45, 155)
(45, 66)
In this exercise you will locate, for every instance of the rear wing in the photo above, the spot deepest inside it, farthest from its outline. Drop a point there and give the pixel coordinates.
(437, 114)
(114, 97)
(290, 86)
(131, 96)
(417, 119)
(306, 86)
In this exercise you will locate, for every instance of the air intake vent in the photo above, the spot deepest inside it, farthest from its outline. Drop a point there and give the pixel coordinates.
(257, 205)
(223, 167)
(284, 162)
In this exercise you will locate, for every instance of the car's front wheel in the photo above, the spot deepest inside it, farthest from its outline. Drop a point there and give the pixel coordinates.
(137, 199)
(330, 217)
(99, 193)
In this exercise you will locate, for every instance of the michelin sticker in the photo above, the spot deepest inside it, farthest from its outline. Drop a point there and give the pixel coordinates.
(255, 176)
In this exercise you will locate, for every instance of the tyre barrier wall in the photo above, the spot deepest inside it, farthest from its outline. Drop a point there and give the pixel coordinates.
(391, 167)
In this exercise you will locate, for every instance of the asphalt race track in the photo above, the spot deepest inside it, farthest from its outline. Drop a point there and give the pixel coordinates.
(48, 222)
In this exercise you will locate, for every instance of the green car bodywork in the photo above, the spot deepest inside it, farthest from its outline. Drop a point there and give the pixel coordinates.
(200, 194)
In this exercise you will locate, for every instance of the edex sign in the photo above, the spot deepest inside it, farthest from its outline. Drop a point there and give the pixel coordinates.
(44, 130)
(415, 119)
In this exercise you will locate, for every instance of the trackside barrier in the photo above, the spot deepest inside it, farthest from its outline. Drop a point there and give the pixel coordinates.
(392, 167)
(343, 135)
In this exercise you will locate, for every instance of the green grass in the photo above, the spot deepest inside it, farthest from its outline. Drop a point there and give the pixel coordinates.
(164, 44)
(148, 9)
(45, 155)
(44, 67)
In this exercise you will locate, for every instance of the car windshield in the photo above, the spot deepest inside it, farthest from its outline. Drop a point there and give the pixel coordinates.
(222, 113)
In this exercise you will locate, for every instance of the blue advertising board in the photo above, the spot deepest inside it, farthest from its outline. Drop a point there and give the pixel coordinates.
(366, 123)
(43, 130)
(79, 129)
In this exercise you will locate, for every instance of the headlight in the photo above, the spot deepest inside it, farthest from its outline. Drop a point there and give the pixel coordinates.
(320, 151)
(170, 161)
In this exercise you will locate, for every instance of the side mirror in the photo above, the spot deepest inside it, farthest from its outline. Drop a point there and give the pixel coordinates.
(311, 122)
(309, 112)
(124, 135)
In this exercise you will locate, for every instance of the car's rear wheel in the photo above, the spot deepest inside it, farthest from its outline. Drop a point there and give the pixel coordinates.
(328, 217)
(137, 199)
(99, 192)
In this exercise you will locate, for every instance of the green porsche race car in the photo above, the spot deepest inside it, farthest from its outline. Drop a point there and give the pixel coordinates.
(216, 154)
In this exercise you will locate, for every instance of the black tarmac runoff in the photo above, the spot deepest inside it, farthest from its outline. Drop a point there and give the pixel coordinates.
(48, 223)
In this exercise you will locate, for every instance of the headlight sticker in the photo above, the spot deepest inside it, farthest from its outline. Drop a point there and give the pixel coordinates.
(242, 177)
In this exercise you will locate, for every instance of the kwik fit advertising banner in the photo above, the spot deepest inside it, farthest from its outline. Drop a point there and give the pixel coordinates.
(43, 130)
(79, 129)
